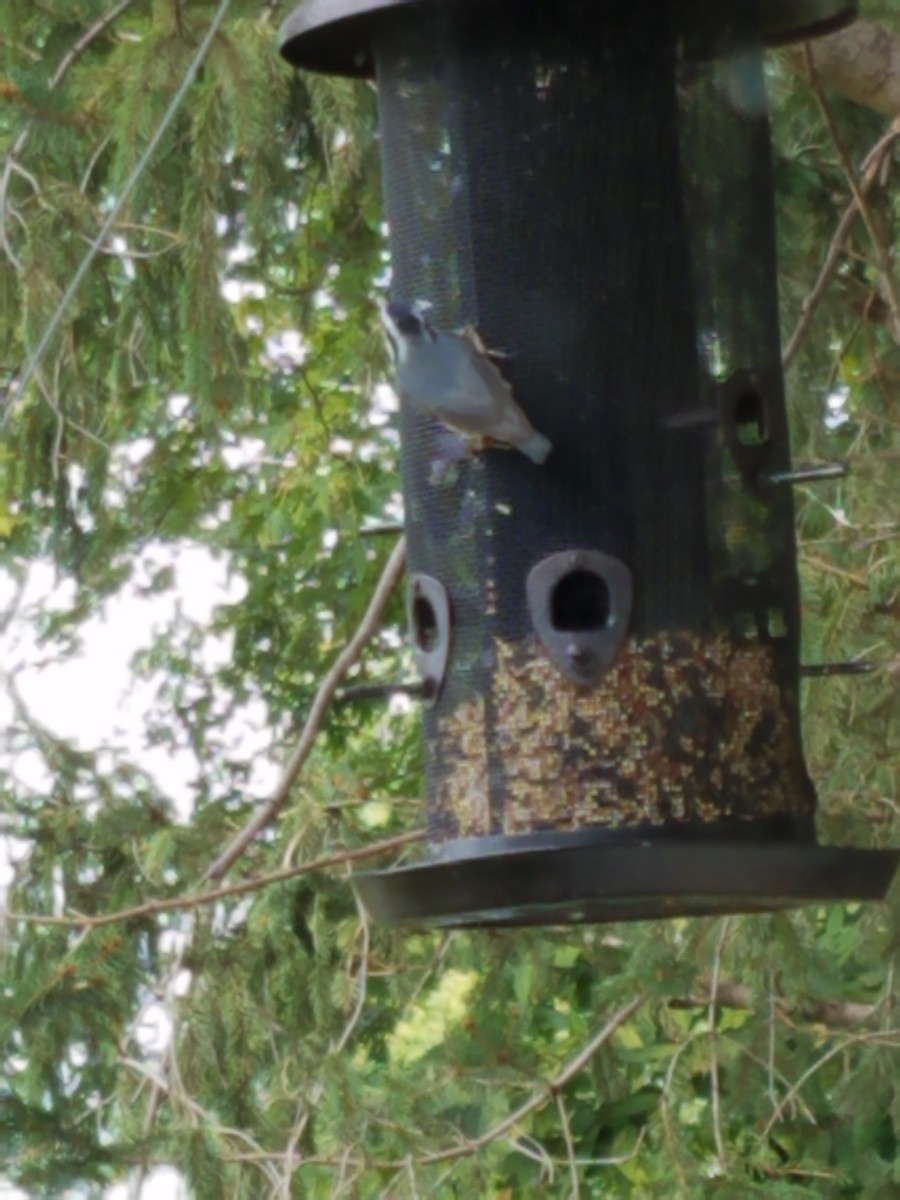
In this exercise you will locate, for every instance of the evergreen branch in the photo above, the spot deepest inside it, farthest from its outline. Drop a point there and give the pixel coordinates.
(871, 170)
(202, 1115)
(65, 64)
(543, 1095)
(87, 39)
(367, 629)
(886, 1037)
(128, 187)
(528, 1148)
(256, 883)
(291, 1158)
(163, 1083)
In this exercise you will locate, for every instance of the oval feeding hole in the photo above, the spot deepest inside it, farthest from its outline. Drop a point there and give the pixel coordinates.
(580, 603)
(750, 419)
(425, 624)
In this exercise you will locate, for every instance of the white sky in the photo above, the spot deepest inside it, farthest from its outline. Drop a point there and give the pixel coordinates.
(94, 698)
(162, 1183)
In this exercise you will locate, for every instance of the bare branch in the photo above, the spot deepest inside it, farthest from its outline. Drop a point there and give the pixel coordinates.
(544, 1094)
(713, 1043)
(234, 889)
(570, 1145)
(870, 173)
(730, 994)
(861, 62)
(368, 627)
(879, 241)
(87, 39)
(179, 1097)
(541, 1097)
(889, 1037)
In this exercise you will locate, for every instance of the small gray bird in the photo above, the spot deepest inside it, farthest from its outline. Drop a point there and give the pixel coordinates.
(450, 376)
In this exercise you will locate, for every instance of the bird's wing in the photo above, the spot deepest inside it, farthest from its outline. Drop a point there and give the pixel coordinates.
(498, 417)
(478, 400)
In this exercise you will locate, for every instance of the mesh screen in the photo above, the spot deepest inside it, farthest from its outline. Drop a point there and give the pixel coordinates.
(603, 216)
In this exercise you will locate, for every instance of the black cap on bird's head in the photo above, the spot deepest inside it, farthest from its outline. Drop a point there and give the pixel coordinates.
(403, 322)
(406, 317)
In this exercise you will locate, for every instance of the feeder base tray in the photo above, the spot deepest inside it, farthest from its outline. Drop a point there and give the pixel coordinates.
(552, 879)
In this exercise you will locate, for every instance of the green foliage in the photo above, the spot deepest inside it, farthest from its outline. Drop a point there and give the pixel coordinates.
(295, 1049)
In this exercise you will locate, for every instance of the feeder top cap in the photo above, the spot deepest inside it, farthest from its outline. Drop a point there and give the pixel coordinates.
(337, 37)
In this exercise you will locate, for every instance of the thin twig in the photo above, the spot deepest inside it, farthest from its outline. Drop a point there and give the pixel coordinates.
(541, 1097)
(362, 982)
(201, 1114)
(666, 1105)
(167, 997)
(367, 629)
(820, 564)
(870, 171)
(528, 1146)
(770, 1057)
(234, 889)
(570, 1145)
(766, 1066)
(885, 1038)
(882, 253)
(89, 36)
(713, 1042)
(537, 1155)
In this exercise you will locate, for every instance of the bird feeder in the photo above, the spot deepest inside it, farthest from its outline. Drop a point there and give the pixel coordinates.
(609, 641)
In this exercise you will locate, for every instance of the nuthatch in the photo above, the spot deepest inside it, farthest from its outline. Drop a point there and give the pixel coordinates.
(449, 376)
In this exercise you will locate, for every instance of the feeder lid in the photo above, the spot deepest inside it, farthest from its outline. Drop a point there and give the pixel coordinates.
(336, 36)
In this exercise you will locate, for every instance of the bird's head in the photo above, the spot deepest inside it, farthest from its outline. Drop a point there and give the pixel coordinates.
(406, 326)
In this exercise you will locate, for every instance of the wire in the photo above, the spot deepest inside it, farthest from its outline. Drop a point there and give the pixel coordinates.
(175, 103)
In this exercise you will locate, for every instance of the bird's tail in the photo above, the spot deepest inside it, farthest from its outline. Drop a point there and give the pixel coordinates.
(537, 447)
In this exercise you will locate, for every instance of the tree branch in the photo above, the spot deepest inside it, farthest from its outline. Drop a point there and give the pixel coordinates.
(150, 907)
(714, 1045)
(881, 1038)
(870, 172)
(861, 62)
(728, 993)
(367, 629)
(89, 36)
(879, 241)
(543, 1095)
